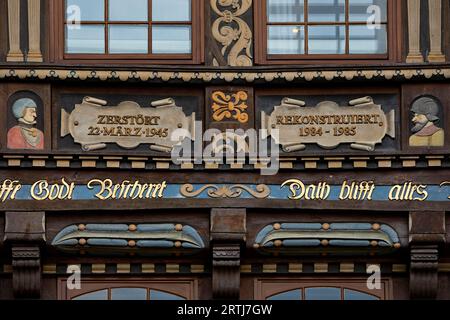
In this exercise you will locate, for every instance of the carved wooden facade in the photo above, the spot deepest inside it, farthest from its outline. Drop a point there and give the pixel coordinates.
(93, 183)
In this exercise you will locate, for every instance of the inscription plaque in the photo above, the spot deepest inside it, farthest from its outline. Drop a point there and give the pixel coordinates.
(93, 124)
(363, 124)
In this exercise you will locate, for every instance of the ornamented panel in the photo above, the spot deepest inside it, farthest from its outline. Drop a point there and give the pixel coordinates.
(426, 117)
(92, 124)
(231, 35)
(317, 238)
(129, 122)
(230, 108)
(122, 239)
(331, 124)
(27, 118)
(362, 124)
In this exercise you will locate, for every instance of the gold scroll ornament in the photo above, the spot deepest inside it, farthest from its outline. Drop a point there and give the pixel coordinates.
(230, 106)
(362, 124)
(93, 124)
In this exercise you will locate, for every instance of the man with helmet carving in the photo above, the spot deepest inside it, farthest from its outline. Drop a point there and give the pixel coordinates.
(25, 135)
(426, 134)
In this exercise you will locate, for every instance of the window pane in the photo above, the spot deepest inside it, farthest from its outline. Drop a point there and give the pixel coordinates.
(129, 10)
(362, 10)
(85, 39)
(128, 39)
(286, 40)
(290, 295)
(368, 41)
(85, 10)
(356, 295)
(326, 10)
(171, 10)
(97, 295)
(171, 39)
(160, 295)
(326, 40)
(285, 10)
(129, 294)
(323, 294)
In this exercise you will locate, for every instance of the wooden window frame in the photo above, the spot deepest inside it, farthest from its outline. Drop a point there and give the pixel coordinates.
(267, 287)
(183, 287)
(57, 42)
(394, 41)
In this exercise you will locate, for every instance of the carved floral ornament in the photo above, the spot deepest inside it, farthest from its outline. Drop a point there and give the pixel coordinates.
(261, 191)
(230, 106)
(233, 32)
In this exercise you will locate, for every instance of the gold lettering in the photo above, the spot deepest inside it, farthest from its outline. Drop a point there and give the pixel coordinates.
(446, 183)
(300, 191)
(42, 190)
(9, 189)
(357, 191)
(126, 190)
(407, 192)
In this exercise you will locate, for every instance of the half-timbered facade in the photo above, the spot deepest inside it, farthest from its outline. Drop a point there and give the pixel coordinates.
(219, 149)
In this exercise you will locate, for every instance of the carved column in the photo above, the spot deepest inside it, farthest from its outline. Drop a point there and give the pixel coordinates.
(228, 230)
(26, 265)
(34, 31)
(427, 234)
(25, 233)
(414, 53)
(226, 271)
(15, 53)
(435, 9)
(424, 272)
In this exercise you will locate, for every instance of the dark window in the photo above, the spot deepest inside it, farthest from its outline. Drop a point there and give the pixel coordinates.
(130, 289)
(320, 289)
(323, 293)
(128, 294)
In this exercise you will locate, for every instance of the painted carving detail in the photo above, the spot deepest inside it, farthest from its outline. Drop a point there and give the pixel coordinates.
(233, 32)
(93, 124)
(236, 191)
(232, 106)
(298, 238)
(363, 124)
(425, 131)
(25, 135)
(141, 239)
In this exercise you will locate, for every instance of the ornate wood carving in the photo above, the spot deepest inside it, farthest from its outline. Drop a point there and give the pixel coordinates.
(423, 281)
(427, 233)
(15, 54)
(414, 53)
(261, 191)
(25, 231)
(34, 31)
(26, 272)
(233, 32)
(226, 271)
(227, 106)
(228, 230)
(436, 30)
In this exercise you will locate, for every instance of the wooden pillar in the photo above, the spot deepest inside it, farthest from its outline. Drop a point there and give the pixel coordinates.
(34, 31)
(426, 236)
(15, 54)
(228, 233)
(435, 9)
(414, 53)
(25, 233)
